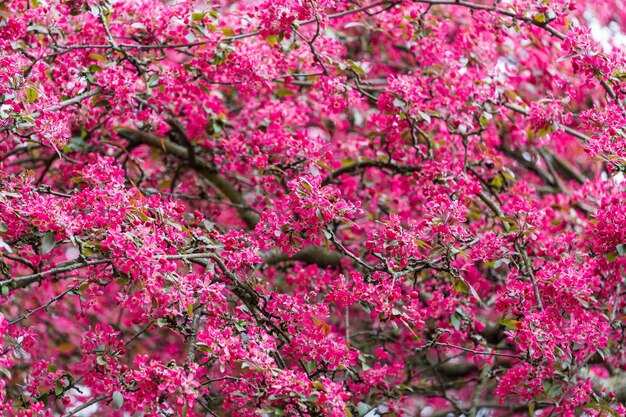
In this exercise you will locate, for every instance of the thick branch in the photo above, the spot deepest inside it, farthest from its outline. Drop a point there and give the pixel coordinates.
(541, 173)
(203, 168)
(401, 169)
(566, 169)
(26, 280)
(310, 254)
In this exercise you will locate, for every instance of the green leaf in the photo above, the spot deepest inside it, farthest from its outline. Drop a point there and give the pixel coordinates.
(356, 67)
(93, 68)
(272, 40)
(102, 103)
(363, 408)
(153, 81)
(305, 184)
(58, 388)
(544, 131)
(5, 372)
(284, 92)
(28, 121)
(509, 322)
(31, 94)
(228, 32)
(621, 249)
(97, 57)
(461, 286)
(198, 16)
(48, 243)
(314, 171)
(474, 293)
(3, 227)
(4, 246)
(555, 391)
(424, 116)
(138, 25)
(5, 290)
(456, 321)
(118, 400)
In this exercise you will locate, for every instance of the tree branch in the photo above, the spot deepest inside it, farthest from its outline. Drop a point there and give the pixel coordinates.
(26, 280)
(401, 169)
(210, 173)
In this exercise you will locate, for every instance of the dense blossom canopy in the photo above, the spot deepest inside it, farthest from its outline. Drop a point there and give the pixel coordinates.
(312, 208)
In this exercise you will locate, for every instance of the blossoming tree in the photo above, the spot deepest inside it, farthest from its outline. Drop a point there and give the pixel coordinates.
(312, 208)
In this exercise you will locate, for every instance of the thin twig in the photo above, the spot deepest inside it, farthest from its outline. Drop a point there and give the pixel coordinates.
(85, 405)
(477, 352)
(45, 306)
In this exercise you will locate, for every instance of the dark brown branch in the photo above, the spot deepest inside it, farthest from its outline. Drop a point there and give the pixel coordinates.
(311, 254)
(26, 280)
(210, 173)
(86, 405)
(530, 165)
(566, 169)
(401, 169)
